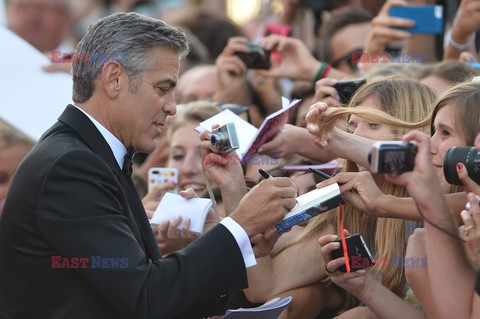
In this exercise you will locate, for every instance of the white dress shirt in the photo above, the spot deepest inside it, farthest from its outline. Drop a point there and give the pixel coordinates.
(241, 237)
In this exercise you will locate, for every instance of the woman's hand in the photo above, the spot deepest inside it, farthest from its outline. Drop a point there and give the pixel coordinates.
(222, 169)
(316, 114)
(470, 230)
(422, 183)
(232, 73)
(360, 190)
(470, 185)
(354, 282)
(296, 61)
(167, 235)
(153, 198)
(383, 29)
(326, 93)
(284, 143)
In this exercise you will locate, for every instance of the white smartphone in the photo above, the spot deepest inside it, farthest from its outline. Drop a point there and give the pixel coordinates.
(162, 175)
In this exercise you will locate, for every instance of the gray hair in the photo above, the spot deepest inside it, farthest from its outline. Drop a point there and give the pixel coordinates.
(126, 38)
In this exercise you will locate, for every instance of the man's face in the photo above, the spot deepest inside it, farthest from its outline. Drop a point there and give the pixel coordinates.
(141, 115)
(42, 23)
(10, 158)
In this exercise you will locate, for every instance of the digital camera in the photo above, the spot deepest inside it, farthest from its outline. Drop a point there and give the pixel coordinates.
(347, 88)
(469, 157)
(392, 157)
(225, 138)
(257, 58)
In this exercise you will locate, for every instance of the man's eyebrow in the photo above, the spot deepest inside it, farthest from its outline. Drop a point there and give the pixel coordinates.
(171, 83)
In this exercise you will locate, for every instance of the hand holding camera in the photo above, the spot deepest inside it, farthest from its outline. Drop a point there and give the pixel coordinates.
(222, 168)
(422, 182)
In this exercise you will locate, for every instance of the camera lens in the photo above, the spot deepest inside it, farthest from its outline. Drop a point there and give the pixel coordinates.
(218, 140)
(466, 155)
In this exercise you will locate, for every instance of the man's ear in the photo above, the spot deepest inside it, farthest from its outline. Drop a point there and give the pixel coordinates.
(113, 79)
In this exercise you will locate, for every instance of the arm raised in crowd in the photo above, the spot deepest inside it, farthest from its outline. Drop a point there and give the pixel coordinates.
(452, 278)
(297, 63)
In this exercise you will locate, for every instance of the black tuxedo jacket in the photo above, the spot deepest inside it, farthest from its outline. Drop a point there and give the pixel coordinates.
(70, 199)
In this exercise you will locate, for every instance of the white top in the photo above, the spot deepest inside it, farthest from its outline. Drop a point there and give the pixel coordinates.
(241, 237)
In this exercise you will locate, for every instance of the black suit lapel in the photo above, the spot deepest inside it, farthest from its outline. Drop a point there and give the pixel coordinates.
(140, 226)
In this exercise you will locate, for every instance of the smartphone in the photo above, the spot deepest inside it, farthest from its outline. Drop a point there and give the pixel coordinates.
(256, 58)
(428, 18)
(161, 175)
(347, 88)
(359, 255)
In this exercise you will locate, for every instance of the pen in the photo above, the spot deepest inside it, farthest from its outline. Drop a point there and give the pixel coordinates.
(265, 174)
(320, 173)
(268, 176)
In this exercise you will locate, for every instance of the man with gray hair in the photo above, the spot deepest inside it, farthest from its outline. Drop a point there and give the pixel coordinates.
(75, 241)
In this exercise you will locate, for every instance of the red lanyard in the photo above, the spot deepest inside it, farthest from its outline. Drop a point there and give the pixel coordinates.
(342, 234)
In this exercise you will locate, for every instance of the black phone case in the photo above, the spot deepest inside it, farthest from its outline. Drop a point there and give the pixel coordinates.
(358, 254)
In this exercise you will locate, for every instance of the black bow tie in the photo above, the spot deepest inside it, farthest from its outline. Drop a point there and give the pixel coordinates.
(128, 163)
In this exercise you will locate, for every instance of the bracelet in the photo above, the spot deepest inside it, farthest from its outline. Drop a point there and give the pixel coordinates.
(325, 72)
(320, 72)
(459, 46)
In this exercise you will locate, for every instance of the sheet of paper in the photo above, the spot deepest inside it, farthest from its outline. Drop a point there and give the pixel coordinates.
(270, 310)
(31, 99)
(172, 205)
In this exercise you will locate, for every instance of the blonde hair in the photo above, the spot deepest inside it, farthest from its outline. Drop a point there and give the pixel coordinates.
(197, 111)
(405, 104)
(9, 135)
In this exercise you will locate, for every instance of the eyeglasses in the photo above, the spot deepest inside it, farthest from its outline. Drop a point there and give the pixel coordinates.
(237, 109)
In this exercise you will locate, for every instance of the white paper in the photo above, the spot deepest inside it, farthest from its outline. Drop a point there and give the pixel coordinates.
(269, 310)
(245, 131)
(172, 205)
(31, 99)
(311, 198)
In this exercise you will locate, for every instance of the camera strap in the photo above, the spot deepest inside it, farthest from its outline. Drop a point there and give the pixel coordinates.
(210, 194)
(342, 235)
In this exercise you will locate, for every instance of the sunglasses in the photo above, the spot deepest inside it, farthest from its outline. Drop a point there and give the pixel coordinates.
(348, 58)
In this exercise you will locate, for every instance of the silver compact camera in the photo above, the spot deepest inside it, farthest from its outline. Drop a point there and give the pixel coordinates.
(392, 157)
(225, 138)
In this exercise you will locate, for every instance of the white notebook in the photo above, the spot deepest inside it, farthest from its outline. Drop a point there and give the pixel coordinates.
(172, 205)
(269, 310)
(310, 205)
